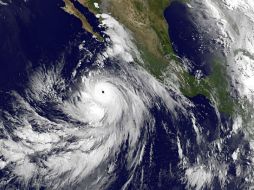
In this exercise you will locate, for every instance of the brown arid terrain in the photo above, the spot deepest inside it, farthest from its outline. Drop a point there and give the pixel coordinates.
(145, 20)
(71, 9)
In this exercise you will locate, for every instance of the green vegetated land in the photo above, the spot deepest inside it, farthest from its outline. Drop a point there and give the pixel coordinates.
(145, 19)
(215, 87)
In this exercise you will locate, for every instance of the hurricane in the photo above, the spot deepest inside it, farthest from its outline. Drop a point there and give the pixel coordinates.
(92, 119)
(95, 118)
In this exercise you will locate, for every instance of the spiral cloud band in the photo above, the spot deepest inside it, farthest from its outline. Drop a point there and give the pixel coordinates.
(109, 109)
(94, 118)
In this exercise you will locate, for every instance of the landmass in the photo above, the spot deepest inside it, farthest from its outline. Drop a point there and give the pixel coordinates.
(145, 19)
(71, 9)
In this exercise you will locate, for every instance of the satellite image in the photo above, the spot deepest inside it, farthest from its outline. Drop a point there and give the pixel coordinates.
(126, 94)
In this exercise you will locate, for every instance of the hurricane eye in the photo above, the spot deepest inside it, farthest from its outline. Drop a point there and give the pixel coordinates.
(102, 92)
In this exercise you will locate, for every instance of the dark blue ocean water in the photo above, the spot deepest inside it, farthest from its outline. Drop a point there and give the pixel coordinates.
(187, 39)
(39, 33)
